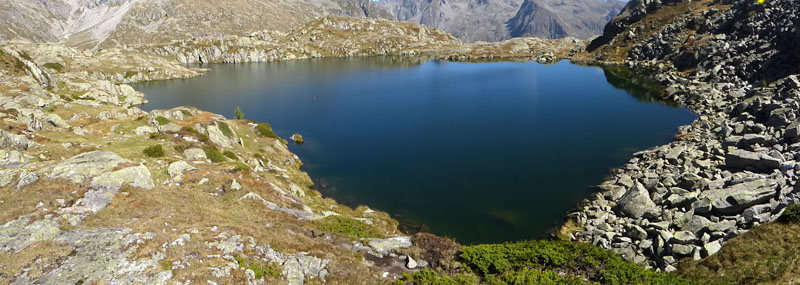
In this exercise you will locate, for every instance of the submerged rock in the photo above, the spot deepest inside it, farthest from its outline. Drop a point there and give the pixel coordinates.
(297, 138)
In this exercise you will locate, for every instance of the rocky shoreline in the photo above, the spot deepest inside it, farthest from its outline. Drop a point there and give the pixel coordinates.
(733, 168)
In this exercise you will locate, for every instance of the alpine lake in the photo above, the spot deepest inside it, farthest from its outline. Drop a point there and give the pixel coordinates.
(478, 152)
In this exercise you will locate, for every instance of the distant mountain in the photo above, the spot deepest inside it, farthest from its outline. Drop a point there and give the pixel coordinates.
(493, 20)
(98, 23)
(581, 19)
(89, 23)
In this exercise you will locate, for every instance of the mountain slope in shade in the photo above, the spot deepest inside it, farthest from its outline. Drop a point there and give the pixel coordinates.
(562, 18)
(494, 20)
(468, 20)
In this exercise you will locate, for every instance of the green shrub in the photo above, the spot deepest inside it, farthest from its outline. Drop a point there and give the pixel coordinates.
(129, 74)
(528, 260)
(190, 130)
(186, 113)
(239, 114)
(162, 121)
(348, 226)
(240, 166)
(427, 276)
(154, 151)
(213, 154)
(54, 66)
(791, 215)
(260, 269)
(230, 155)
(225, 129)
(266, 130)
(24, 55)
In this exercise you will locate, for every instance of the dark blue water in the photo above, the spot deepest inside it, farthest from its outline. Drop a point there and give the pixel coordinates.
(483, 152)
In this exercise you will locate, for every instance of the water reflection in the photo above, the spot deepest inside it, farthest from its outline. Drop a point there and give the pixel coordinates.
(482, 152)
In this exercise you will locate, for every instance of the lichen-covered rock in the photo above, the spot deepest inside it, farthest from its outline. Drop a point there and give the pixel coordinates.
(218, 138)
(195, 154)
(137, 176)
(84, 166)
(297, 268)
(145, 130)
(17, 141)
(11, 158)
(178, 168)
(388, 245)
(18, 234)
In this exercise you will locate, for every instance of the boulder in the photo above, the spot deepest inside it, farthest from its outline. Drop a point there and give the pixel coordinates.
(195, 154)
(145, 130)
(636, 203)
(748, 160)
(697, 224)
(85, 165)
(411, 263)
(692, 181)
(17, 141)
(711, 248)
(218, 138)
(12, 158)
(297, 138)
(736, 198)
(793, 132)
(176, 170)
(682, 249)
(388, 245)
(137, 176)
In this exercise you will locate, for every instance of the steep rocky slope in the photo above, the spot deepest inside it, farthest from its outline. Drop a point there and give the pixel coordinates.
(87, 23)
(480, 20)
(734, 63)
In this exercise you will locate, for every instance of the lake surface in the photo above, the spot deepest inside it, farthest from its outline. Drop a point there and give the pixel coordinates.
(485, 152)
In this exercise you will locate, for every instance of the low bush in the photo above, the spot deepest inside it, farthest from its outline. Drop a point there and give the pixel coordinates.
(240, 167)
(239, 114)
(130, 74)
(427, 276)
(791, 215)
(230, 155)
(213, 154)
(154, 151)
(260, 269)
(266, 130)
(225, 129)
(162, 121)
(54, 66)
(347, 226)
(538, 261)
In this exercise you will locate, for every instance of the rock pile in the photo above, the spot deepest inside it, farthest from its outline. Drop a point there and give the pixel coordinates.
(736, 166)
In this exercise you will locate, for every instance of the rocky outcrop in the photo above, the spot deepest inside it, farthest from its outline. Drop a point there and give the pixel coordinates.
(736, 166)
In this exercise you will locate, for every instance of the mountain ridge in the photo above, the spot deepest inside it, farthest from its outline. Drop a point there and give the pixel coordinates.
(109, 23)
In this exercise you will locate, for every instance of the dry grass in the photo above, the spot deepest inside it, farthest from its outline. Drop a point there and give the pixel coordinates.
(768, 254)
(22, 202)
(38, 257)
